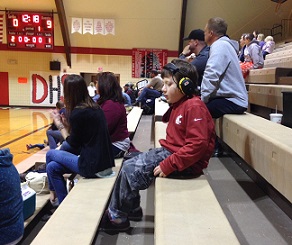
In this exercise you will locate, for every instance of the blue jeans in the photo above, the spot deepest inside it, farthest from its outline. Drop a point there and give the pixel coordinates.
(221, 106)
(54, 137)
(136, 174)
(148, 93)
(66, 147)
(60, 163)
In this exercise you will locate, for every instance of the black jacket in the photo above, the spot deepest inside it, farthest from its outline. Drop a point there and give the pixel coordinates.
(89, 133)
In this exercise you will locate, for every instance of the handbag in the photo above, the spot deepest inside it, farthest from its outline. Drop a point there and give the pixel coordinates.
(38, 182)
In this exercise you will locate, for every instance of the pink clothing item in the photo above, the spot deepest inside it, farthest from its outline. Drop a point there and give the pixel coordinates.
(190, 136)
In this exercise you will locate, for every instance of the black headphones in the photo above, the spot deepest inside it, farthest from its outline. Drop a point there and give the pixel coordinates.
(185, 85)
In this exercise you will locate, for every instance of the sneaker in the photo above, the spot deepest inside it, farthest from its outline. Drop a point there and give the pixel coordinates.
(136, 215)
(55, 203)
(107, 225)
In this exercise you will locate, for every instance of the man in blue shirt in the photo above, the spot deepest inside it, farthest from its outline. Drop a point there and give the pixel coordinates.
(197, 46)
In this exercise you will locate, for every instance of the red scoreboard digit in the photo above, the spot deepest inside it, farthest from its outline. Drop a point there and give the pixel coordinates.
(28, 30)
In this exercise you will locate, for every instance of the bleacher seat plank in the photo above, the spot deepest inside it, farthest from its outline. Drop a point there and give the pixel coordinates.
(281, 52)
(267, 95)
(279, 62)
(76, 220)
(29, 162)
(160, 108)
(270, 75)
(283, 46)
(133, 119)
(285, 80)
(187, 212)
(264, 145)
(160, 132)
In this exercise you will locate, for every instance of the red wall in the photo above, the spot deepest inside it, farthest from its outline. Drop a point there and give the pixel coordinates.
(4, 88)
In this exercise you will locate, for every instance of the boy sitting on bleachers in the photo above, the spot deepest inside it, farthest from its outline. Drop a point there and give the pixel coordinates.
(189, 144)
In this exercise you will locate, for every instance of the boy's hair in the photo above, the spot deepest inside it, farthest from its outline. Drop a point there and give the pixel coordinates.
(185, 69)
(60, 104)
(218, 26)
(155, 72)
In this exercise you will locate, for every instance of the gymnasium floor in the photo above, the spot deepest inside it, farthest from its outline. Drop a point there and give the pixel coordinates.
(21, 126)
(255, 218)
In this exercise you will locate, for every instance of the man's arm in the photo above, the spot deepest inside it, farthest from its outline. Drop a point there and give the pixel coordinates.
(217, 65)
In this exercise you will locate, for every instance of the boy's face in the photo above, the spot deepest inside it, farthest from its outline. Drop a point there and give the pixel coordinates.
(171, 91)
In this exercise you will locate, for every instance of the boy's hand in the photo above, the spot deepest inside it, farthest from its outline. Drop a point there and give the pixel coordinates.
(158, 172)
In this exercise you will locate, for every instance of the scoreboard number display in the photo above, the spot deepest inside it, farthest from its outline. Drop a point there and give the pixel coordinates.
(28, 30)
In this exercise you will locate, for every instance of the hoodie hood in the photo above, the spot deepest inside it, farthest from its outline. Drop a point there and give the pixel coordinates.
(5, 157)
(253, 41)
(233, 43)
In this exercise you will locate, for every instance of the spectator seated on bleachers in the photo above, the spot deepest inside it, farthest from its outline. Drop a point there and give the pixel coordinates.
(128, 89)
(112, 103)
(149, 93)
(261, 39)
(253, 57)
(54, 136)
(269, 46)
(242, 47)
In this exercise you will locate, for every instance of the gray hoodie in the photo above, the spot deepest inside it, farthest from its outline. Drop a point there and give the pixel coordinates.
(223, 76)
(254, 54)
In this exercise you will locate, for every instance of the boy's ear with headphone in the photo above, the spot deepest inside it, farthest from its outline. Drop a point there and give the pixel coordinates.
(185, 84)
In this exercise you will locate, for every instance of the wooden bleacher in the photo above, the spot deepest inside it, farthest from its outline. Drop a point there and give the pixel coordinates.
(270, 75)
(41, 199)
(77, 218)
(133, 119)
(269, 96)
(277, 68)
(265, 86)
(29, 162)
(264, 145)
(201, 219)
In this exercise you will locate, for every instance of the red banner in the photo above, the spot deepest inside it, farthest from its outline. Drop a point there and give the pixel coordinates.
(145, 60)
(1, 27)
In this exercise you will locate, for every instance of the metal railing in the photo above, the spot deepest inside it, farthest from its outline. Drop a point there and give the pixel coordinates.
(281, 31)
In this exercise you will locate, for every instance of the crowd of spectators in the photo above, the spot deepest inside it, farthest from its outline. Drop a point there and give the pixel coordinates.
(254, 48)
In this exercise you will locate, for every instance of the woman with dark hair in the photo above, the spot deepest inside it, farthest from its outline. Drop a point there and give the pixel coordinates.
(112, 103)
(253, 57)
(86, 131)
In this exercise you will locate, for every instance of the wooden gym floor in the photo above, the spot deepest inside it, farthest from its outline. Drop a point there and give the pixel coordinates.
(21, 126)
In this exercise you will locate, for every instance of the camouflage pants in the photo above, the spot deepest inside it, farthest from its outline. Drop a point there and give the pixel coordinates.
(136, 174)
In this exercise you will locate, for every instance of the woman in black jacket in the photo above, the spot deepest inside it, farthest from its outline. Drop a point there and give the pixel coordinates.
(86, 131)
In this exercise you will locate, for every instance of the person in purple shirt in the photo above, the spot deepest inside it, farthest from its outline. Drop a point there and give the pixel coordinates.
(112, 103)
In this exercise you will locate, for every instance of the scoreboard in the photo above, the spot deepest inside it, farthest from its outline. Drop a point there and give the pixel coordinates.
(29, 30)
